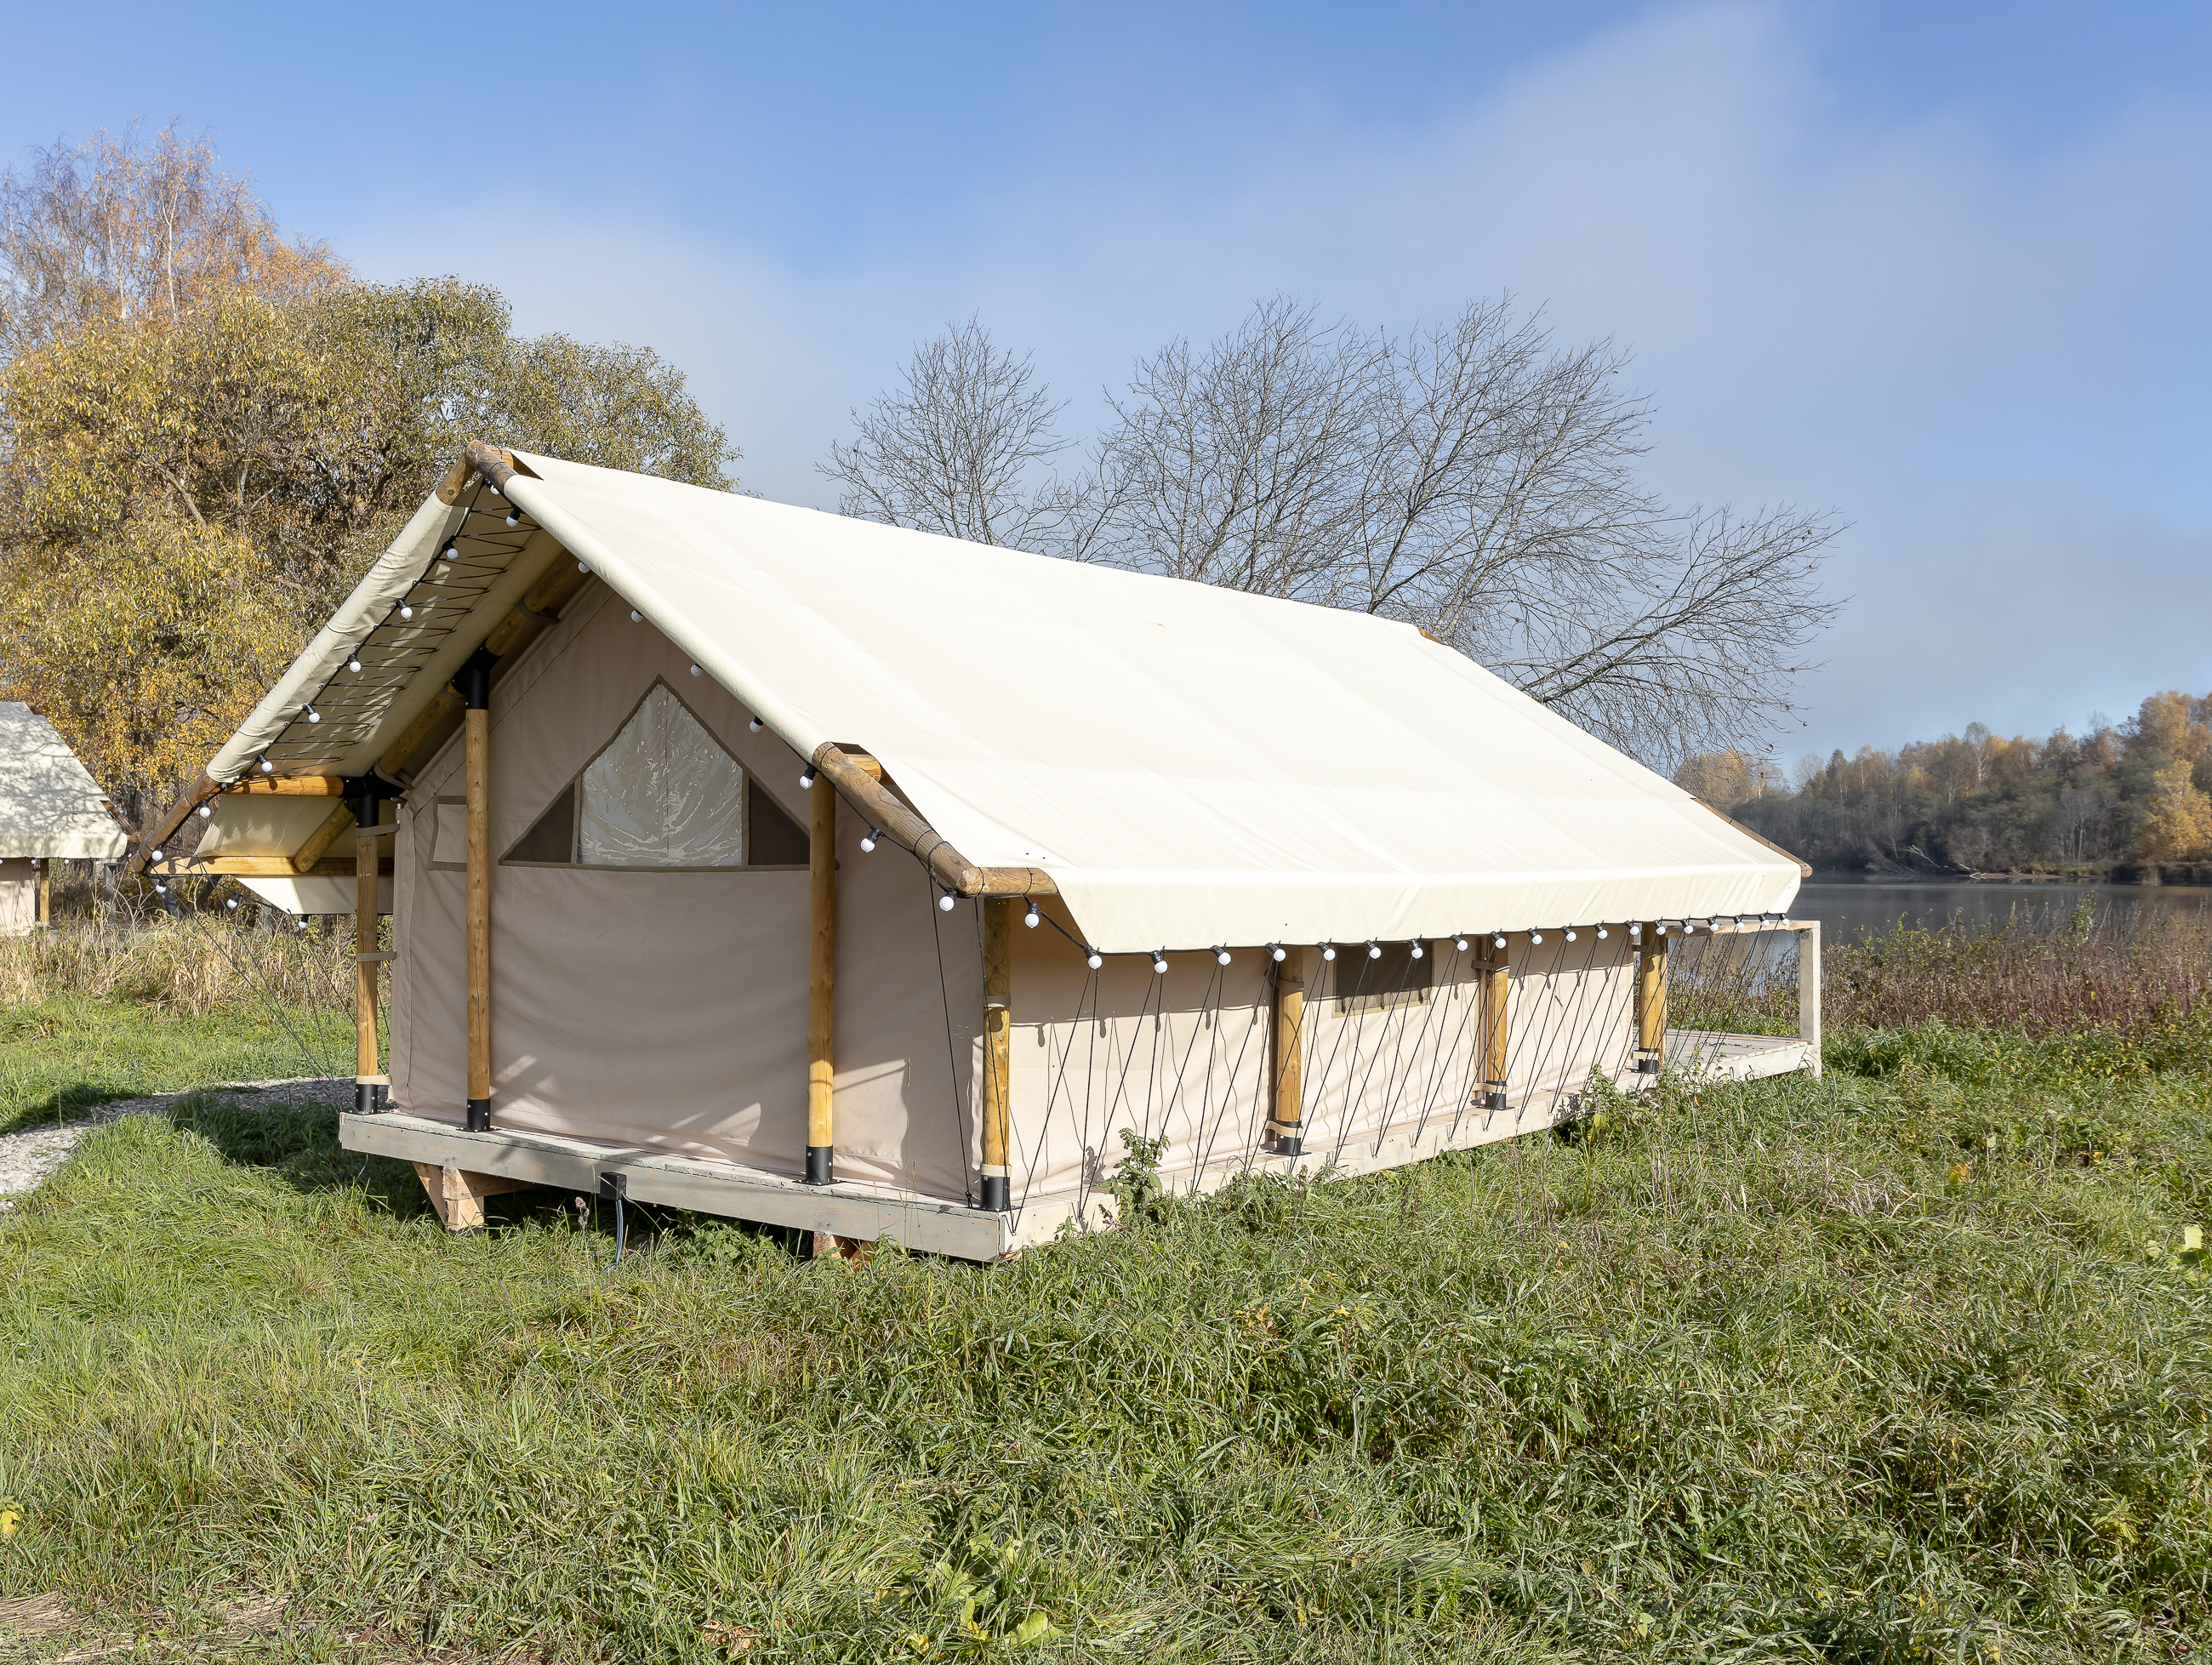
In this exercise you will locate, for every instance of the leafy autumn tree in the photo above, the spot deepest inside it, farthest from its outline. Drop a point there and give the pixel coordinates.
(2176, 825)
(1725, 778)
(213, 436)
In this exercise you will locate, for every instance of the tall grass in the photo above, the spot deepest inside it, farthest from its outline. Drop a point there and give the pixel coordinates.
(197, 965)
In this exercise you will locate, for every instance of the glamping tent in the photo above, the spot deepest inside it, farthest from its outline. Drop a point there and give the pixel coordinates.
(804, 870)
(50, 809)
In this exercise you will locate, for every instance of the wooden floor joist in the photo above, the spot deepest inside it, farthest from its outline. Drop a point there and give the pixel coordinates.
(458, 1194)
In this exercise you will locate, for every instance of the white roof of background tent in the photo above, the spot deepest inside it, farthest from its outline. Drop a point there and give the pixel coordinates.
(49, 805)
(1191, 765)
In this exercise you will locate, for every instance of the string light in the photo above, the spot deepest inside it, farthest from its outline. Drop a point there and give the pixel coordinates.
(1374, 950)
(945, 903)
(1600, 933)
(1499, 941)
(635, 616)
(406, 609)
(1159, 959)
(1416, 949)
(232, 902)
(583, 566)
(313, 715)
(1221, 955)
(206, 810)
(156, 855)
(868, 840)
(1278, 953)
(1535, 937)
(1636, 933)
(755, 725)
(1094, 959)
(806, 779)
(1571, 933)
(1460, 942)
(268, 768)
(1032, 917)
(514, 517)
(354, 665)
(695, 670)
(450, 552)
(1329, 950)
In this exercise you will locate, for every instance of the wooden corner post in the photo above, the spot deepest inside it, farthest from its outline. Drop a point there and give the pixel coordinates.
(821, 978)
(367, 1077)
(1496, 991)
(1651, 999)
(475, 702)
(1808, 990)
(1288, 1125)
(998, 1048)
(46, 894)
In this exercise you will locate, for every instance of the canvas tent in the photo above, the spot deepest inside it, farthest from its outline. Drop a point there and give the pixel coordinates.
(50, 809)
(820, 872)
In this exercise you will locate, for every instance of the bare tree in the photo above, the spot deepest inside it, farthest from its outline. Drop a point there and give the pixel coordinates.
(958, 448)
(1473, 479)
(119, 229)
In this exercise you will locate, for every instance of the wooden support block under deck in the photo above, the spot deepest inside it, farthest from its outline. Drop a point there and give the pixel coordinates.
(458, 1194)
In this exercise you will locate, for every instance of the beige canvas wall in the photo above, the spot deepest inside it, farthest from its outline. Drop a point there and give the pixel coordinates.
(668, 1009)
(19, 896)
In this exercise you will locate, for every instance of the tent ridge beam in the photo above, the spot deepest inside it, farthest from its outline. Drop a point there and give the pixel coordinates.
(910, 831)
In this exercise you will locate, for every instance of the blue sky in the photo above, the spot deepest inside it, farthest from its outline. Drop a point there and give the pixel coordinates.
(1942, 268)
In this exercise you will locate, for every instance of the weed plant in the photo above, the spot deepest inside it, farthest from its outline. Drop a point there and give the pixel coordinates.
(1912, 1363)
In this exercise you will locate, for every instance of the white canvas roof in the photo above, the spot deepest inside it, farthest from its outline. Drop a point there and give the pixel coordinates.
(49, 805)
(1192, 766)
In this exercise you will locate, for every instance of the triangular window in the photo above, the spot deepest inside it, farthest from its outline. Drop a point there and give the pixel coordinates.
(662, 793)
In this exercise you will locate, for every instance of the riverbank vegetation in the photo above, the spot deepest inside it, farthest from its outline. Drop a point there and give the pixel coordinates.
(2139, 793)
(1909, 1362)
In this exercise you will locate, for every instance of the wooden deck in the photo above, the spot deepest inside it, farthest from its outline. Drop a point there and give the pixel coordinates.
(1738, 1057)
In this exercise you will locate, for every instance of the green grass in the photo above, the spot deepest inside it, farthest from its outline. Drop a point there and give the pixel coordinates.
(70, 1051)
(1908, 1363)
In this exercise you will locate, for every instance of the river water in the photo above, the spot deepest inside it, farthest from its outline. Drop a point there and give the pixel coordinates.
(1850, 905)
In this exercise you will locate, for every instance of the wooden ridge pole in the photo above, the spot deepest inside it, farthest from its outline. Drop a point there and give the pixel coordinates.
(1497, 986)
(821, 981)
(1289, 1124)
(998, 1048)
(1652, 999)
(476, 699)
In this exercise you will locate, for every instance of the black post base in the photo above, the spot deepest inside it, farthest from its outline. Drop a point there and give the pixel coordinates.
(1494, 1099)
(997, 1199)
(818, 1164)
(1289, 1144)
(364, 1099)
(479, 1115)
(1647, 1065)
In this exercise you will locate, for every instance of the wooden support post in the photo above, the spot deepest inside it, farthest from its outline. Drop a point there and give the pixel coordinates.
(475, 697)
(1289, 1124)
(459, 1194)
(820, 980)
(1808, 990)
(1497, 986)
(45, 895)
(367, 1077)
(998, 1048)
(1652, 999)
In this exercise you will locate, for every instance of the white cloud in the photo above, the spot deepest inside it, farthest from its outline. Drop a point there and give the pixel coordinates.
(1988, 362)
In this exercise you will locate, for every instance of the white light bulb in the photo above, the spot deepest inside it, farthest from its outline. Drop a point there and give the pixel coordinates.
(1279, 954)
(1600, 933)
(1499, 941)
(313, 715)
(268, 768)
(206, 810)
(1570, 933)
(945, 903)
(695, 670)
(807, 779)
(1222, 955)
(157, 855)
(162, 888)
(1159, 962)
(635, 616)
(1032, 917)
(1460, 942)
(514, 517)
(1688, 929)
(1535, 937)
(232, 902)
(1094, 960)
(583, 566)
(1373, 950)
(1329, 950)
(755, 725)
(492, 489)
(1416, 949)
(406, 611)
(868, 841)
(354, 664)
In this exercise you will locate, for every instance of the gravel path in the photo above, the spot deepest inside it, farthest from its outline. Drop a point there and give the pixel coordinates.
(26, 1158)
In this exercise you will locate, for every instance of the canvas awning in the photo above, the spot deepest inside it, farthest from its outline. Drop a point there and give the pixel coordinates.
(49, 805)
(1191, 766)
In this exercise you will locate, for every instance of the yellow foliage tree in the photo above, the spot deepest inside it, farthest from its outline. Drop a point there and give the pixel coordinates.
(2178, 817)
(1726, 778)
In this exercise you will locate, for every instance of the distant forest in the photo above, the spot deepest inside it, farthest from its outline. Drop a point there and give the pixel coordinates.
(2134, 794)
